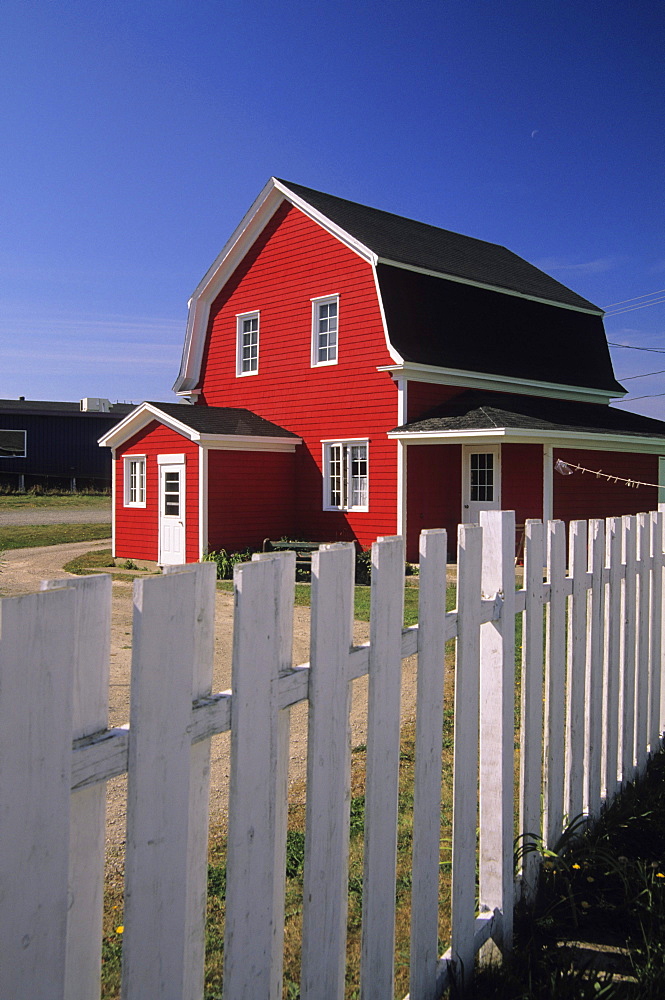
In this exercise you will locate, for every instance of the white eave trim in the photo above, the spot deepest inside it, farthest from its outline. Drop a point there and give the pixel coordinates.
(497, 383)
(558, 439)
(240, 242)
(490, 288)
(146, 413)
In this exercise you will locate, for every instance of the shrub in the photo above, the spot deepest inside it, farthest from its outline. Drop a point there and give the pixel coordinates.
(364, 568)
(226, 561)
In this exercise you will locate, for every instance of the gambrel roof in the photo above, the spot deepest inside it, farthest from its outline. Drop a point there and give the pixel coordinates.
(456, 310)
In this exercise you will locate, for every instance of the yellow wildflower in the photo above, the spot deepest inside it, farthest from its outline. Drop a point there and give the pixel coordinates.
(120, 929)
(577, 866)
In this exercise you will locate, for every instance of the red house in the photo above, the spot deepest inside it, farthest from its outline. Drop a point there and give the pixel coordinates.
(349, 373)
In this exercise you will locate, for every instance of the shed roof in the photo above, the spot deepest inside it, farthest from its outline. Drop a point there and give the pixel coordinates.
(226, 420)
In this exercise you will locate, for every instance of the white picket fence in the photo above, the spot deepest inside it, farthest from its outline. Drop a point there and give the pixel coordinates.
(592, 711)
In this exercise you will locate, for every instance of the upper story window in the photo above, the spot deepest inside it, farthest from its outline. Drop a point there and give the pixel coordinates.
(134, 466)
(12, 444)
(345, 475)
(325, 326)
(247, 351)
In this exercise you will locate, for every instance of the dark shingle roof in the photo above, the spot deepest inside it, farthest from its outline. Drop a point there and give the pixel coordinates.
(222, 420)
(53, 407)
(475, 410)
(406, 241)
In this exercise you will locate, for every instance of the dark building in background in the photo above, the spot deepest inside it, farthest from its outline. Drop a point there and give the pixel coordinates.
(54, 444)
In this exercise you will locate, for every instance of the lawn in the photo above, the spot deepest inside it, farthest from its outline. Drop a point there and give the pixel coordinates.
(27, 536)
(47, 501)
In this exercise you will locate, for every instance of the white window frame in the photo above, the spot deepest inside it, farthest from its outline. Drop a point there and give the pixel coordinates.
(342, 453)
(241, 319)
(17, 430)
(134, 495)
(317, 305)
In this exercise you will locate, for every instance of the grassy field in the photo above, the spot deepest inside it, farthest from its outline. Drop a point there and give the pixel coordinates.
(47, 501)
(28, 536)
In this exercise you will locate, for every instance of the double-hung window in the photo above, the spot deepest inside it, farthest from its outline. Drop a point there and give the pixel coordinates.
(346, 475)
(247, 350)
(325, 328)
(134, 480)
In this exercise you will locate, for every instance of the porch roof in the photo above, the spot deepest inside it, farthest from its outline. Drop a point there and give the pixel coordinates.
(474, 414)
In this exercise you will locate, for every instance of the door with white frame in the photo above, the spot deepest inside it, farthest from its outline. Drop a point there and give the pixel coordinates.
(481, 481)
(171, 510)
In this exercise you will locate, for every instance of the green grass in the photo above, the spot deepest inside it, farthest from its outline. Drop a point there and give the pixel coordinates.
(603, 886)
(27, 536)
(47, 501)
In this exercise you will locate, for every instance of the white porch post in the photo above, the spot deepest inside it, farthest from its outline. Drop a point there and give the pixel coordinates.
(402, 394)
(661, 482)
(548, 482)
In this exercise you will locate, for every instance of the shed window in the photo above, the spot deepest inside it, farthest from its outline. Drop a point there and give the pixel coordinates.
(135, 481)
(12, 444)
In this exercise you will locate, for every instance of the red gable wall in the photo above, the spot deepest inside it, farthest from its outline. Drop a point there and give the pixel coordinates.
(137, 528)
(294, 261)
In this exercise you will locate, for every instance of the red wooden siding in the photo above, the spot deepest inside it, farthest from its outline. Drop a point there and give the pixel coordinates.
(522, 480)
(424, 396)
(294, 261)
(434, 499)
(250, 497)
(137, 528)
(581, 496)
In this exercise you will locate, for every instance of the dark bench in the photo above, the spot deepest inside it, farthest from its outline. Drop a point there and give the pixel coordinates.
(303, 551)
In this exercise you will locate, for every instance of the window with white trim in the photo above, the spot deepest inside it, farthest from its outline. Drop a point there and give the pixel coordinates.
(325, 328)
(12, 443)
(134, 478)
(247, 351)
(345, 475)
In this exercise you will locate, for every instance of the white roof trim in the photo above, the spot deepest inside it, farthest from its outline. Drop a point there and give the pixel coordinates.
(593, 441)
(497, 383)
(241, 240)
(489, 288)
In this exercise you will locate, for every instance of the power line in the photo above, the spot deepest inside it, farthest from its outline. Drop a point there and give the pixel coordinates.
(646, 295)
(626, 378)
(632, 399)
(629, 347)
(643, 305)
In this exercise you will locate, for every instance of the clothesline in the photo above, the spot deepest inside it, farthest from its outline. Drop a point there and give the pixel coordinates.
(567, 469)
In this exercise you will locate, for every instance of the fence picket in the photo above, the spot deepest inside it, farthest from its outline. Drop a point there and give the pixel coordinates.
(531, 728)
(325, 886)
(656, 522)
(37, 664)
(576, 672)
(643, 575)
(594, 670)
(613, 639)
(427, 778)
(628, 651)
(164, 832)
(92, 631)
(259, 775)
(555, 684)
(465, 765)
(497, 721)
(382, 769)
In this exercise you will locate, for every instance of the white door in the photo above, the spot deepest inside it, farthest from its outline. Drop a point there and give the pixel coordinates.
(481, 481)
(171, 514)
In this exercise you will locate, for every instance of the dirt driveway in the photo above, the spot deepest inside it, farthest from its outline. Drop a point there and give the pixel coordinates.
(21, 573)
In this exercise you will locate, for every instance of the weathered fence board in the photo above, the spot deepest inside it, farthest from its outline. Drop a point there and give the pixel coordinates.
(597, 662)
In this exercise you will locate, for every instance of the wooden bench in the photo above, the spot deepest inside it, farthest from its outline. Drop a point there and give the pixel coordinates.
(303, 551)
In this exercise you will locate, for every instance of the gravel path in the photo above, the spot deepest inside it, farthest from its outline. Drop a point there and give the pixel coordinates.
(56, 515)
(21, 573)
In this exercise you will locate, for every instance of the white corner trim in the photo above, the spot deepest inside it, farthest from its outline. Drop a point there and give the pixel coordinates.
(203, 502)
(497, 383)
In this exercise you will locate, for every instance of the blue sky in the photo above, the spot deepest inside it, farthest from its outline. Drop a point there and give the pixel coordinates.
(136, 133)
